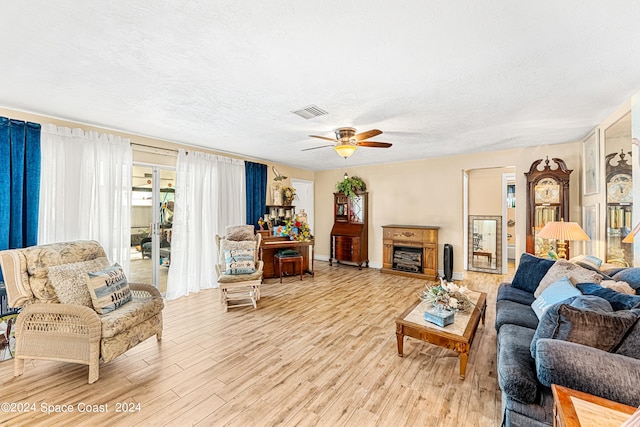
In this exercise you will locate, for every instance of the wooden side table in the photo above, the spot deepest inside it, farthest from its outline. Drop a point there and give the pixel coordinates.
(572, 408)
(283, 259)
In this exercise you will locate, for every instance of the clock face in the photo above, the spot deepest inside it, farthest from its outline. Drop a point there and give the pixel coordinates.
(547, 191)
(620, 189)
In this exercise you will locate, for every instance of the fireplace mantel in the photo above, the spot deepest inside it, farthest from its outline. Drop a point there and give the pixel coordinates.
(417, 236)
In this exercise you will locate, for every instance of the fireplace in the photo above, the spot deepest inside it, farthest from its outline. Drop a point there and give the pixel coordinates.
(410, 250)
(407, 258)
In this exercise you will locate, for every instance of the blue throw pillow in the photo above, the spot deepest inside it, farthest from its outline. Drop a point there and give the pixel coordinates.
(555, 293)
(629, 275)
(530, 272)
(617, 300)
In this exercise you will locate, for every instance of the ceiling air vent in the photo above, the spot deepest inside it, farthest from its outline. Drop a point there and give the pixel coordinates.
(310, 112)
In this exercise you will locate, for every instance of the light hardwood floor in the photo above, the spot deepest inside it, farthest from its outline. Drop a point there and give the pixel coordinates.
(316, 352)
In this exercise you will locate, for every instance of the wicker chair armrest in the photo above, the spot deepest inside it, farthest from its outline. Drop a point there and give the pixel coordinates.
(144, 290)
(64, 319)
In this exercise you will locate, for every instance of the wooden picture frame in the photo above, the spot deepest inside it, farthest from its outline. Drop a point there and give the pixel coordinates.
(590, 225)
(591, 163)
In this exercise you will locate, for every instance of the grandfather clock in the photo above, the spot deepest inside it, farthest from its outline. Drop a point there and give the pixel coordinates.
(547, 200)
(619, 208)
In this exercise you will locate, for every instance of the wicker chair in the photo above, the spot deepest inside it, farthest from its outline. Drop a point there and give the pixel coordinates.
(48, 329)
(239, 289)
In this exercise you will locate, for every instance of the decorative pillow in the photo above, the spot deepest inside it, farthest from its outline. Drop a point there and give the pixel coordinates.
(617, 300)
(530, 271)
(70, 280)
(229, 245)
(595, 328)
(239, 232)
(618, 286)
(629, 275)
(590, 260)
(240, 261)
(109, 289)
(563, 268)
(555, 293)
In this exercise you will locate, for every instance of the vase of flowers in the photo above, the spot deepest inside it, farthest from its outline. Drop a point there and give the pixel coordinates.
(447, 296)
(297, 230)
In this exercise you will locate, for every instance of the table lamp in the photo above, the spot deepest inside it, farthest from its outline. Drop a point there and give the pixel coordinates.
(561, 232)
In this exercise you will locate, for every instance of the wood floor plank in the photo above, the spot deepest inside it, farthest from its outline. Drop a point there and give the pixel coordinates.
(317, 352)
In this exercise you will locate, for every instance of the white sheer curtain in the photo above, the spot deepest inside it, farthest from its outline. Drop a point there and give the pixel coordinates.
(210, 194)
(85, 190)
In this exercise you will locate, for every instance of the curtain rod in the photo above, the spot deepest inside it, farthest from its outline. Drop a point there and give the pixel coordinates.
(154, 150)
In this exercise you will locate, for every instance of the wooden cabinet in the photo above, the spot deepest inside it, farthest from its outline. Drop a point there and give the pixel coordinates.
(547, 200)
(403, 241)
(349, 235)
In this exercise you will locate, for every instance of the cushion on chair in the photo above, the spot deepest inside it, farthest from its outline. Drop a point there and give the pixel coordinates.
(109, 289)
(231, 245)
(129, 315)
(239, 232)
(240, 261)
(70, 280)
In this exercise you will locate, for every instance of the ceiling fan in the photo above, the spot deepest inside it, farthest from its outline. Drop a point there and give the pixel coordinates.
(347, 141)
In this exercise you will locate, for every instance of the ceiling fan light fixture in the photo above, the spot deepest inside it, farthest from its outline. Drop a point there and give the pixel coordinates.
(345, 150)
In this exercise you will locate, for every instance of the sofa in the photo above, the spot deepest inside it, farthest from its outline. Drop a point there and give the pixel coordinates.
(75, 307)
(586, 336)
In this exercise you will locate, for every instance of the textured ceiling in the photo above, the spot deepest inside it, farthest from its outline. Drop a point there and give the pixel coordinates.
(438, 77)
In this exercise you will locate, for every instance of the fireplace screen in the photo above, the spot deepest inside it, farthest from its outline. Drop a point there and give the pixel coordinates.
(407, 258)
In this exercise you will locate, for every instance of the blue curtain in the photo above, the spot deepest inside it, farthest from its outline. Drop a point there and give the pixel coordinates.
(256, 182)
(19, 183)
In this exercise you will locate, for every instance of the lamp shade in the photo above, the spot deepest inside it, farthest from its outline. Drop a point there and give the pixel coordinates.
(345, 150)
(631, 236)
(560, 230)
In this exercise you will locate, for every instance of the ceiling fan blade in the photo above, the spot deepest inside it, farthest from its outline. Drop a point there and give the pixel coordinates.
(374, 144)
(315, 148)
(323, 137)
(368, 134)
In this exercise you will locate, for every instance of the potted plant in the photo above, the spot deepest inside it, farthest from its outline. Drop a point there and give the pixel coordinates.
(350, 185)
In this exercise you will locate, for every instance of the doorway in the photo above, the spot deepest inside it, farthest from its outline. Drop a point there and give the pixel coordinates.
(152, 207)
(304, 193)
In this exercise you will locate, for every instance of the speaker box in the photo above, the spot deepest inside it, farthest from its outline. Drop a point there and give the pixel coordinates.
(448, 262)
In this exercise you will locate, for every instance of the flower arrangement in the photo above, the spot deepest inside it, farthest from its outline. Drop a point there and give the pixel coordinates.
(447, 296)
(288, 194)
(297, 230)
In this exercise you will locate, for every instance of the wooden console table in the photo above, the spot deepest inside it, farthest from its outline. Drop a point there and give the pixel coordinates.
(271, 245)
(424, 237)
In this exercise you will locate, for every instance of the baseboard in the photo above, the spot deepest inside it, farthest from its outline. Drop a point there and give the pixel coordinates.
(457, 275)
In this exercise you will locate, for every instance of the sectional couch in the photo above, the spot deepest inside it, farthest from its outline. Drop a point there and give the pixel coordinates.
(587, 337)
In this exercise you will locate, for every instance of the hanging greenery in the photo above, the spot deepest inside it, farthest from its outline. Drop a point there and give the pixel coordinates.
(350, 185)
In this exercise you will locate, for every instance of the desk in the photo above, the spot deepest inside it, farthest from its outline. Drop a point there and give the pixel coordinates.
(489, 255)
(271, 245)
(279, 260)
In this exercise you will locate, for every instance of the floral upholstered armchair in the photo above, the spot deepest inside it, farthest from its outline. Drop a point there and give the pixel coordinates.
(75, 306)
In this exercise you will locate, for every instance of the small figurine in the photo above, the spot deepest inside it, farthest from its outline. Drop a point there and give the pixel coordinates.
(261, 223)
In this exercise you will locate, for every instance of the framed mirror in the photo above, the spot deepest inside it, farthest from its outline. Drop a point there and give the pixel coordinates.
(485, 244)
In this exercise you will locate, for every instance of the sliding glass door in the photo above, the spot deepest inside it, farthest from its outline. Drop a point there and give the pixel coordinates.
(152, 209)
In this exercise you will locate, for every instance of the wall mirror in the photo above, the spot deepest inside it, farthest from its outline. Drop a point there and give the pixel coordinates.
(485, 244)
(619, 191)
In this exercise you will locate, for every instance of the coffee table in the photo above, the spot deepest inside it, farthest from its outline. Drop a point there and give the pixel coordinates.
(458, 336)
